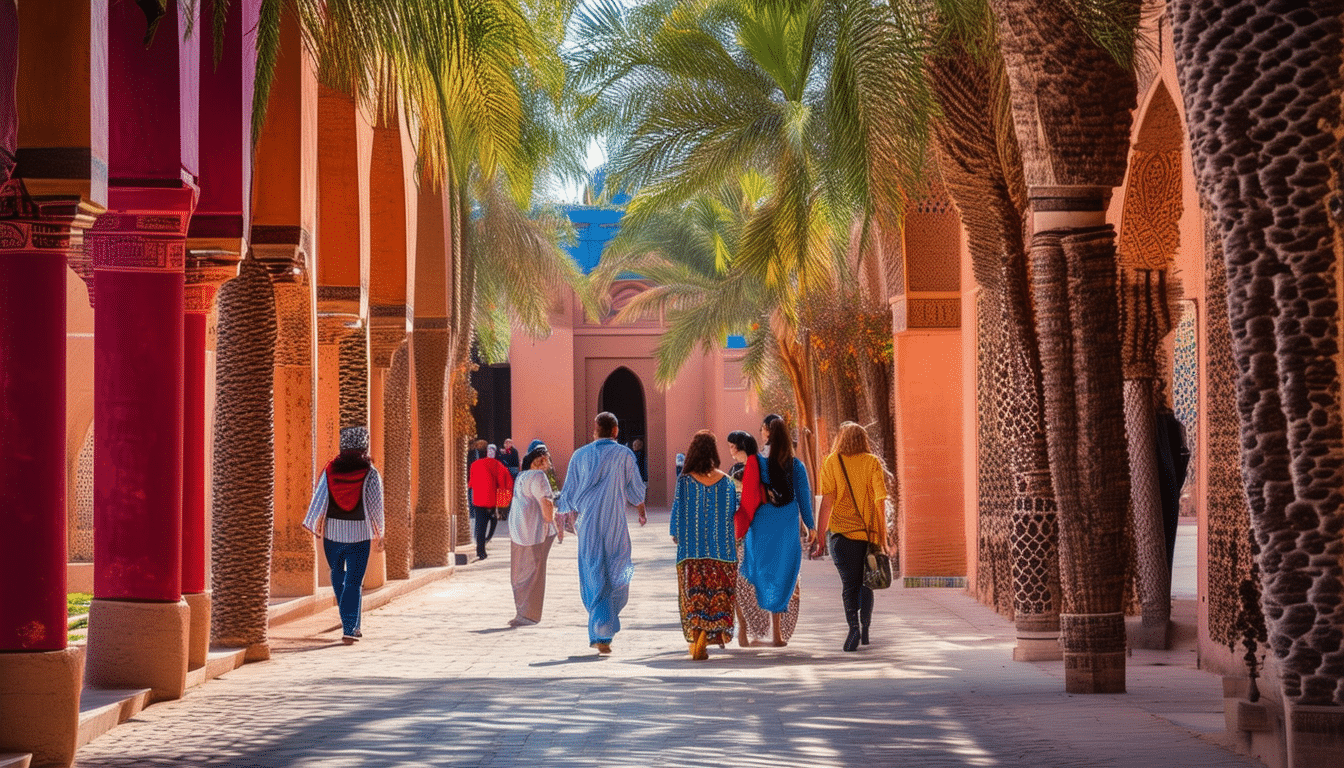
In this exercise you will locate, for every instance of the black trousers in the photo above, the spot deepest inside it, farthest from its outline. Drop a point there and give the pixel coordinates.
(483, 526)
(849, 556)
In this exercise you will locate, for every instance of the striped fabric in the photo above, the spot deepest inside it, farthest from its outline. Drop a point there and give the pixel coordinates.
(349, 531)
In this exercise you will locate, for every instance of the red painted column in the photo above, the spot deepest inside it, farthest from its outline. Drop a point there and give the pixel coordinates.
(193, 453)
(32, 420)
(138, 257)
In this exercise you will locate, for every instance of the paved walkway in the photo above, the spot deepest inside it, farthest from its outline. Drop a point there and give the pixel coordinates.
(440, 680)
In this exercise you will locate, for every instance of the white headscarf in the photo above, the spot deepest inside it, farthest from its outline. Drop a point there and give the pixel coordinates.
(490, 450)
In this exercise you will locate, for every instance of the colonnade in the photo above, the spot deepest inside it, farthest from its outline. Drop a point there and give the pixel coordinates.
(136, 167)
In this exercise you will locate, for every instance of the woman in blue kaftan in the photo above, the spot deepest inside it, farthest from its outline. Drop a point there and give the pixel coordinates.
(772, 550)
(702, 526)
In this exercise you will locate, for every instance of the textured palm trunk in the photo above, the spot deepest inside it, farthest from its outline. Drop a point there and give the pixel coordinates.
(980, 179)
(1261, 83)
(396, 470)
(462, 396)
(1071, 104)
(244, 473)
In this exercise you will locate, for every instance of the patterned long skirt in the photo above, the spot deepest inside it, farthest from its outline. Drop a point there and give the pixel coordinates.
(705, 596)
(756, 618)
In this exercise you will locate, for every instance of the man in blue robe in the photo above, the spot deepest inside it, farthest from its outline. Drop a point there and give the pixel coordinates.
(601, 482)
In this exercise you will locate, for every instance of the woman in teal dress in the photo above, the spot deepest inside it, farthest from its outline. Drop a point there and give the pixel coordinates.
(702, 527)
(772, 553)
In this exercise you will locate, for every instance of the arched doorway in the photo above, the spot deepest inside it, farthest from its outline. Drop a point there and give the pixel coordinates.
(623, 394)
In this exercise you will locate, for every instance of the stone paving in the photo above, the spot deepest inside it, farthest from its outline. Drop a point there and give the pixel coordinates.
(441, 680)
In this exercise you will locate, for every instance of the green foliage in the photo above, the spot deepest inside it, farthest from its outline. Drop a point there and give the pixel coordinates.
(77, 603)
(755, 134)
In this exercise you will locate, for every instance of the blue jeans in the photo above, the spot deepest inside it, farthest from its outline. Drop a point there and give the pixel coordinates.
(348, 562)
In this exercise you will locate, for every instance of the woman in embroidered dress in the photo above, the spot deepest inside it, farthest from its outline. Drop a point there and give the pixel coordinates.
(531, 533)
(347, 514)
(702, 527)
(850, 471)
(772, 550)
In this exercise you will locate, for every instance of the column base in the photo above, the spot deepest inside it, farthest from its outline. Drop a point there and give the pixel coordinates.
(198, 634)
(1038, 646)
(1094, 672)
(139, 645)
(39, 704)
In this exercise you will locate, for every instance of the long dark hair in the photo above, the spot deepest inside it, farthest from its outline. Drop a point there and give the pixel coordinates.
(743, 441)
(702, 455)
(780, 462)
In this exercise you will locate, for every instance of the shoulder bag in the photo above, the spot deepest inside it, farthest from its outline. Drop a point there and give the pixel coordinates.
(877, 565)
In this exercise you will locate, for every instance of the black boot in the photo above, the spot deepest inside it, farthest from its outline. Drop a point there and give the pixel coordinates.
(852, 640)
(865, 613)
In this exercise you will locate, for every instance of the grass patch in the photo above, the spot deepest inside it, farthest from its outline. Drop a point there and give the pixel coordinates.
(77, 603)
(73, 638)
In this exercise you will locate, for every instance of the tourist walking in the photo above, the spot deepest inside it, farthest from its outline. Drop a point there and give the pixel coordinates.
(346, 512)
(508, 456)
(754, 622)
(531, 532)
(488, 478)
(771, 550)
(702, 526)
(601, 482)
(853, 488)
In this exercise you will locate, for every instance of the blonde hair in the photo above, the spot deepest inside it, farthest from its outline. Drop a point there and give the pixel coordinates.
(851, 439)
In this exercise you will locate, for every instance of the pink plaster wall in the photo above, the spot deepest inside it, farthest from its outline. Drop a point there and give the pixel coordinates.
(705, 394)
(970, 418)
(929, 439)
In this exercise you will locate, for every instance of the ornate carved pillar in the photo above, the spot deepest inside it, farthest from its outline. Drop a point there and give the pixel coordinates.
(397, 461)
(336, 327)
(389, 405)
(294, 553)
(1074, 288)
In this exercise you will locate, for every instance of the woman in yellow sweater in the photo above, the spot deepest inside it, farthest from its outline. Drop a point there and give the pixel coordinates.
(848, 474)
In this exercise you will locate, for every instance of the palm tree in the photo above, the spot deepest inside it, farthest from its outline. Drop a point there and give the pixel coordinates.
(698, 95)
(480, 80)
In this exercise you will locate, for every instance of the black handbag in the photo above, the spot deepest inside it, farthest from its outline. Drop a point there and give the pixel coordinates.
(877, 565)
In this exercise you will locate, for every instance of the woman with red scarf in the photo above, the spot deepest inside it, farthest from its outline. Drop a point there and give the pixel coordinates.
(347, 513)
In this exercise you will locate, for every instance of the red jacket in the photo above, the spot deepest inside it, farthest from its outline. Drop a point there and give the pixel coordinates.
(485, 476)
(751, 495)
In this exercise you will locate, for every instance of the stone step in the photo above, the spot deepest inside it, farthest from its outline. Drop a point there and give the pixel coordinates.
(217, 662)
(11, 760)
(101, 710)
